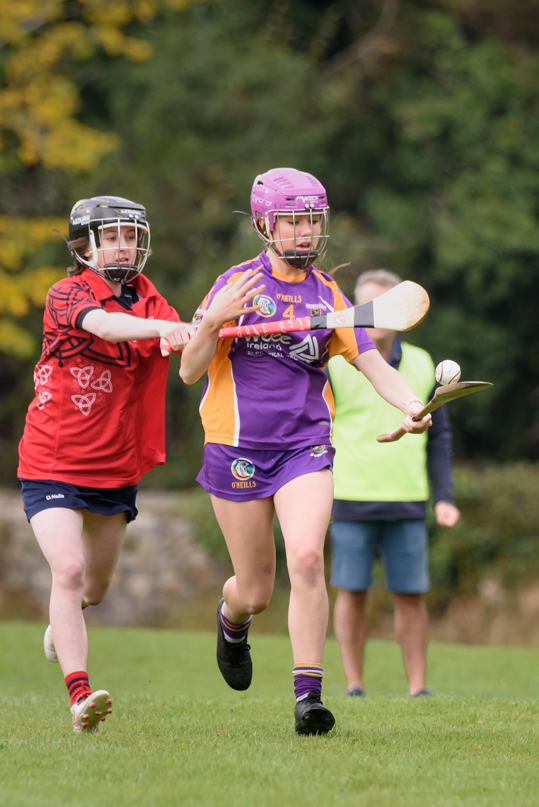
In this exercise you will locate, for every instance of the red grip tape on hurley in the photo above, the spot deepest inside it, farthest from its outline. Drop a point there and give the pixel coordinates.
(266, 328)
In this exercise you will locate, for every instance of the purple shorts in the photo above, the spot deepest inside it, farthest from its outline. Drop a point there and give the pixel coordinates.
(241, 474)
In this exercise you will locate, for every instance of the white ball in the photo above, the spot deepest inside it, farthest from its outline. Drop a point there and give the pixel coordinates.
(447, 372)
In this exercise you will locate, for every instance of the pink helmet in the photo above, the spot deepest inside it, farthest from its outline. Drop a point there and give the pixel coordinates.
(289, 192)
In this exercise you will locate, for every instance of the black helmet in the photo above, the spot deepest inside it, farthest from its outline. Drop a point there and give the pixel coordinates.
(90, 216)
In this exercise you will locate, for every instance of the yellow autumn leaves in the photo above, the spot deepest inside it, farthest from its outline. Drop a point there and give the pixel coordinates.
(43, 42)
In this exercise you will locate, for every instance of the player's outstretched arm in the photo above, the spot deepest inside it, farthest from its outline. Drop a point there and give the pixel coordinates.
(394, 388)
(230, 302)
(117, 327)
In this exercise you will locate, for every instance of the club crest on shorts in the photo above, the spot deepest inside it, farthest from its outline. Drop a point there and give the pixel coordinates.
(268, 305)
(318, 451)
(242, 469)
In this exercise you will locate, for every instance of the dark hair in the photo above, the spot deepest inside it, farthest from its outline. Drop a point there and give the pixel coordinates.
(81, 245)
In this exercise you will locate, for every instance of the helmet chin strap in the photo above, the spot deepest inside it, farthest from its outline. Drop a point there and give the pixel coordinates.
(297, 260)
(119, 273)
(301, 260)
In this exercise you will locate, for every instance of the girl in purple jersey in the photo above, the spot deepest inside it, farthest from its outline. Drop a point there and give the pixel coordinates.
(267, 413)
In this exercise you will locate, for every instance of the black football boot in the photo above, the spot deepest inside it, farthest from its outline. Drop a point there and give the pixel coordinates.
(312, 717)
(233, 659)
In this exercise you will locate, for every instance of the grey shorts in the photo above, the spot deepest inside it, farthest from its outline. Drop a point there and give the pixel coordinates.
(402, 545)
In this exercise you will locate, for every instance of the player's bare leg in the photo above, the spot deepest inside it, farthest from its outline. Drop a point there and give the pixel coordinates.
(411, 627)
(82, 550)
(59, 534)
(102, 539)
(350, 625)
(303, 507)
(82, 564)
(248, 531)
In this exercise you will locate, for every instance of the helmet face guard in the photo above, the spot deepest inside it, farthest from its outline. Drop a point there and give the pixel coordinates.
(117, 271)
(297, 258)
(287, 192)
(91, 217)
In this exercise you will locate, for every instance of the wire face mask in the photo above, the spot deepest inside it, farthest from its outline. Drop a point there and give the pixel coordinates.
(118, 270)
(93, 220)
(299, 258)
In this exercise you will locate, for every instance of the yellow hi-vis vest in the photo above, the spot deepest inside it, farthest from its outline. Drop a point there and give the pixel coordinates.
(367, 471)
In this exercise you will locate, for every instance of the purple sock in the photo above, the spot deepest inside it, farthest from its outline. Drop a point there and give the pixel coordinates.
(234, 631)
(307, 678)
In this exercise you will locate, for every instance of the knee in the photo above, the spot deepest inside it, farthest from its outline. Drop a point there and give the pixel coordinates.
(94, 598)
(95, 594)
(257, 605)
(306, 567)
(70, 574)
(351, 599)
(409, 603)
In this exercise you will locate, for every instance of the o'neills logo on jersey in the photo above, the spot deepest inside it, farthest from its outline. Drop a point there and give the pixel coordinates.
(290, 298)
(268, 305)
(243, 470)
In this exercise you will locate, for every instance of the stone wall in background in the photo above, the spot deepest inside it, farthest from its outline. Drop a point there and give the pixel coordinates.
(161, 573)
(166, 576)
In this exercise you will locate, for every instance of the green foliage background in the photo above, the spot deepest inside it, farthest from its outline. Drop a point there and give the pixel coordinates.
(421, 119)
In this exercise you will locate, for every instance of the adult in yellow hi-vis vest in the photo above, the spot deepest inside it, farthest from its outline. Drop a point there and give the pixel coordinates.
(381, 492)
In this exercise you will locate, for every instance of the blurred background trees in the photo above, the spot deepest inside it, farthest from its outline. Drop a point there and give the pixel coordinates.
(420, 118)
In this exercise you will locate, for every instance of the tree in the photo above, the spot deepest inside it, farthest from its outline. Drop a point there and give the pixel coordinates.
(43, 43)
(443, 131)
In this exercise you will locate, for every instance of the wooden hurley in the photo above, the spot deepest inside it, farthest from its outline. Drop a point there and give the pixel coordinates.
(441, 396)
(399, 309)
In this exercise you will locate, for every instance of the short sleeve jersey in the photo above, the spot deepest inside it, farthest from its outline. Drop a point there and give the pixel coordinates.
(271, 391)
(97, 418)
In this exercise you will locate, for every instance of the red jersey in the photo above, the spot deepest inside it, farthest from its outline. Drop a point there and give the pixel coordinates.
(98, 418)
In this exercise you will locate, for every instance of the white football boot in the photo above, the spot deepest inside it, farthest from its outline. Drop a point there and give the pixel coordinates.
(89, 712)
(48, 645)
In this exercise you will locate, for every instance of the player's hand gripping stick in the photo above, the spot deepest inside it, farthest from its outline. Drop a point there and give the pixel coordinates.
(187, 331)
(166, 347)
(442, 396)
(399, 309)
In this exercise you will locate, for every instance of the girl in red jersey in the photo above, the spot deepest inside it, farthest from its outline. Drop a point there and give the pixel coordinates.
(96, 424)
(267, 415)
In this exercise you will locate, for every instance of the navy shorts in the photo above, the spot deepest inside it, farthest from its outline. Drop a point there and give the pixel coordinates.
(42, 494)
(242, 474)
(403, 546)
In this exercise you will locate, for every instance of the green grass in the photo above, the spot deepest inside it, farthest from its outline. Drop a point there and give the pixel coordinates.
(179, 736)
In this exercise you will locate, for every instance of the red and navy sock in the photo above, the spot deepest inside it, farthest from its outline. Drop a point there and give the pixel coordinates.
(234, 631)
(307, 678)
(78, 685)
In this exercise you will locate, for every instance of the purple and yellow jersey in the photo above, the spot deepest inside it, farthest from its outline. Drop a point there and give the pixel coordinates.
(271, 391)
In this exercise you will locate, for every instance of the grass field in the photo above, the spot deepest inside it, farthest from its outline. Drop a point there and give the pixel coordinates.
(179, 736)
